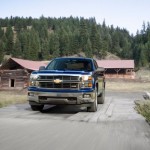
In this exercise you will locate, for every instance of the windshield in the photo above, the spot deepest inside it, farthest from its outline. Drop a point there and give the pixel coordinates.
(70, 64)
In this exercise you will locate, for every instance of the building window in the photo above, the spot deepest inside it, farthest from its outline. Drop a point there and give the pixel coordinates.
(12, 83)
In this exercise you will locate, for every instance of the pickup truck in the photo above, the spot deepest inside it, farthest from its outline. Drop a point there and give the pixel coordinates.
(67, 81)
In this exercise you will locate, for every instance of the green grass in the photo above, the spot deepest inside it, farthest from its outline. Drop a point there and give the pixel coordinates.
(143, 107)
(12, 97)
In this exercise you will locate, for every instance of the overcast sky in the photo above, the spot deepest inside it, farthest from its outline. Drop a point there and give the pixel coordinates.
(129, 14)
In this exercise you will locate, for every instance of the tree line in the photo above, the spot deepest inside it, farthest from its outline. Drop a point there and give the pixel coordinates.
(46, 38)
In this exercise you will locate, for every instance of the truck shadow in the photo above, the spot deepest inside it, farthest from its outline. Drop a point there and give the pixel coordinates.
(62, 109)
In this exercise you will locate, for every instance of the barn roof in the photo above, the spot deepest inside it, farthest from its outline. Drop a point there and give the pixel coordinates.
(116, 64)
(13, 63)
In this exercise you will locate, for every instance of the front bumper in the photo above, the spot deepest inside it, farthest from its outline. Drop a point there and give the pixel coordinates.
(36, 97)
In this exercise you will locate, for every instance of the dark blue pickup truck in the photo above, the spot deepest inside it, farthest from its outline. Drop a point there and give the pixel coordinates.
(67, 81)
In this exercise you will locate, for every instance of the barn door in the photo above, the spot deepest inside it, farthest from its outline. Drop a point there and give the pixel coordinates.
(11, 82)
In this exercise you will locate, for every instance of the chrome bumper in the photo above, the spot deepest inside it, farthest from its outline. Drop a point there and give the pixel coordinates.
(60, 98)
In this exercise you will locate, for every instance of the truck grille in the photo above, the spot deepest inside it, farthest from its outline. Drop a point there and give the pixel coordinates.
(59, 82)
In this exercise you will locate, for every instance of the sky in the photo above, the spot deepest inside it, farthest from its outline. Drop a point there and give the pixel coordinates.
(128, 14)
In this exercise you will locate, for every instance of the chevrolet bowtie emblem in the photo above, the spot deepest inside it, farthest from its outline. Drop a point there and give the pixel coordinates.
(57, 81)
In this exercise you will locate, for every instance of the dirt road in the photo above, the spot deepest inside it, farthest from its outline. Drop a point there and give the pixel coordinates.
(115, 126)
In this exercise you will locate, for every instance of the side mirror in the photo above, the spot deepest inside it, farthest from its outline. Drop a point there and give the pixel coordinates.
(99, 71)
(41, 68)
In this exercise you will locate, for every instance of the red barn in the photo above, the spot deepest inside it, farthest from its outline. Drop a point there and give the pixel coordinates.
(118, 68)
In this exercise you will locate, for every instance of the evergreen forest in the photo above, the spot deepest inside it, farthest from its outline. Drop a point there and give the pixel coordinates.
(45, 38)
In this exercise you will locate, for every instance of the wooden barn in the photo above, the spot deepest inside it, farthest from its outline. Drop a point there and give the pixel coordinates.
(123, 69)
(14, 73)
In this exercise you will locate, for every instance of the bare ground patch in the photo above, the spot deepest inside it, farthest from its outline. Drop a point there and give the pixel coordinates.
(127, 85)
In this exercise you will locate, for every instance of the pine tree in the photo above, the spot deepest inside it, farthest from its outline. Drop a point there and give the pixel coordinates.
(94, 37)
(83, 34)
(115, 45)
(10, 40)
(143, 61)
(17, 52)
(64, 42)
(88, 49)
(1, 51)
(54, 45)
(74, 45)
(44, 50)
(24, 40)
(34, 45)
(1, 33)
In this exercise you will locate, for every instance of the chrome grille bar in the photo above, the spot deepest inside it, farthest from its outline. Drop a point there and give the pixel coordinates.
(68, 82)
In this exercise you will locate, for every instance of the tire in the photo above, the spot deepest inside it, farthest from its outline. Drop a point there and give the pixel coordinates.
(93, 107)
(101, 98)
(37, 107)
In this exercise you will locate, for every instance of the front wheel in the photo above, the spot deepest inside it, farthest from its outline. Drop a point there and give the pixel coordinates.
(101, 98)
(37, 107)
(93, 107)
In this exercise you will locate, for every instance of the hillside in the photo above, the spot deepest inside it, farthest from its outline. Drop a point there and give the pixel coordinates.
(46, 38)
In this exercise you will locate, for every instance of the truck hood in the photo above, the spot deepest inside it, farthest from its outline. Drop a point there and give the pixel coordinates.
(45, 72)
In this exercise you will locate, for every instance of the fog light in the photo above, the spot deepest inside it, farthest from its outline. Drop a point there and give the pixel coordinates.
(86, 95)
(89, 84)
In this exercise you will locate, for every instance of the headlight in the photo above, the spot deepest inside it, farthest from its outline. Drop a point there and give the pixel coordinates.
(86, 78)
(87, 81)
(33, 78)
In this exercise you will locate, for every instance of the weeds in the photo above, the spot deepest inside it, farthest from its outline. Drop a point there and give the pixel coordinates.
(143, 107)
(9, 98)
